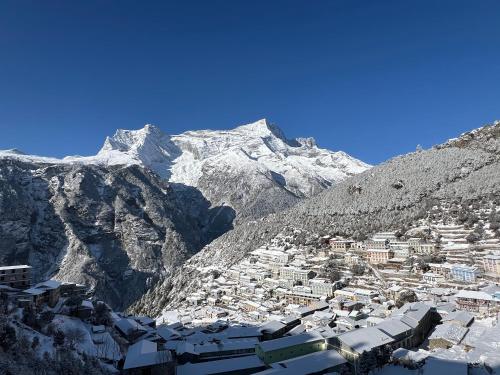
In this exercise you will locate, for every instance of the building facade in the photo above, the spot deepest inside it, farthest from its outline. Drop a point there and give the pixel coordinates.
(18, 277)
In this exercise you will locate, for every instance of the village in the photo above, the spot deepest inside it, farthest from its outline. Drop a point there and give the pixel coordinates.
(385, 304)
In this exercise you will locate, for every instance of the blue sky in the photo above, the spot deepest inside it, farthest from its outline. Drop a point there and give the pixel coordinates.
(372, 78)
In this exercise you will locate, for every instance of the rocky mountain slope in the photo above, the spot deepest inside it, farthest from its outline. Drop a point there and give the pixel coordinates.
(389, 196)
(129, 216)
(253, 168)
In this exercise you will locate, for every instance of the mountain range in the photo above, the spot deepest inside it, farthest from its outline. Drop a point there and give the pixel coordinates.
(130, 216)
(395, 195)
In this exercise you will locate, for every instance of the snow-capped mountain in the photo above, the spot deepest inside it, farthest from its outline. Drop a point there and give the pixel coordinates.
(233, 167)
(297, 165)
(132, 214)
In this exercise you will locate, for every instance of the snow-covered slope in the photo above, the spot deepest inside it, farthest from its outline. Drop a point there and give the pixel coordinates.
(253, 168)
(259, 148)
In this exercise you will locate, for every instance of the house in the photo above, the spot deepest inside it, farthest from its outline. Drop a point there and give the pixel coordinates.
(296, 274)
(447, 335)
(491, 264)
(73, 290)
(130, 329)
(144, 358)
(300, 298)
(220, 349)
(401, 249)
(474, 301)
(464, 273)
(432, 278)
(273, 329)
(462, 318)
(398, 330)
(421, 247)
(365, 295)
(341, 245)
(290, 347)
(326, 361)
(352, 344)
(233, 366)
(443, 269)
(420, 317)
(377, 244)
(321, 287)
(18, 277)
(52, 291)
(46, 292)
(379, 256)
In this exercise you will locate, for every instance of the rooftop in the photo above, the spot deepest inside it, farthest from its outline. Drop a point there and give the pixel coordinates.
(365, 339)
(285, 342)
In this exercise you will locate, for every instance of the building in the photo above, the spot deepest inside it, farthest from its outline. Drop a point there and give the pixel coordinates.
(352, 344)
(321, 287)
(398, 330)
(443, 269)
(401, 249)
(421, 247)
(326, 361)
(447, 335)
(365, 295)
(130, 329)
(289, 347)
(491, 264)
(222, 349)
(474, 301)
(379, 256)
(376, 244)
(432, 278)
(271, 256)
(341, 245)
(144, 358)
(233, 366)
(299, 298)
(47, 292)
(351, 259)
(464, 273)
(273, 329)
(296, 274)
(18, 277)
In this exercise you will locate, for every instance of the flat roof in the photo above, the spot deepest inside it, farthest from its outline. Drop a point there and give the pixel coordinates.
(221, 366)
(365, 339)
(4, 268)
(144, 353)
(287, 341)
(307, 364)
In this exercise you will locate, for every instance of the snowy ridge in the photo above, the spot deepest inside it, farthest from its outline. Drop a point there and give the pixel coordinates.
(256, 149)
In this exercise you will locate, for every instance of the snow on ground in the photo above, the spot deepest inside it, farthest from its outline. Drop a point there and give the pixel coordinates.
(67, 323)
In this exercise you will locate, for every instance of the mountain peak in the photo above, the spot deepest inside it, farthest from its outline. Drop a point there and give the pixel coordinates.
(263, 128)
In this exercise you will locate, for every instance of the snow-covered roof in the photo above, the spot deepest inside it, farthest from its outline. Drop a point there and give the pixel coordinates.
(393, 327)
(49, 284)
(285, 342)
(451, 332)
(306, 364)
(144, 353)
(473, 294)
(233, 365)
(464, 317)
(20, 266)
(365, 339)
(128, 325)
(272, 326)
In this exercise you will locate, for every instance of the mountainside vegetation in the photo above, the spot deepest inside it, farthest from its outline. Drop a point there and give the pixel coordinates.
(390, 196)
